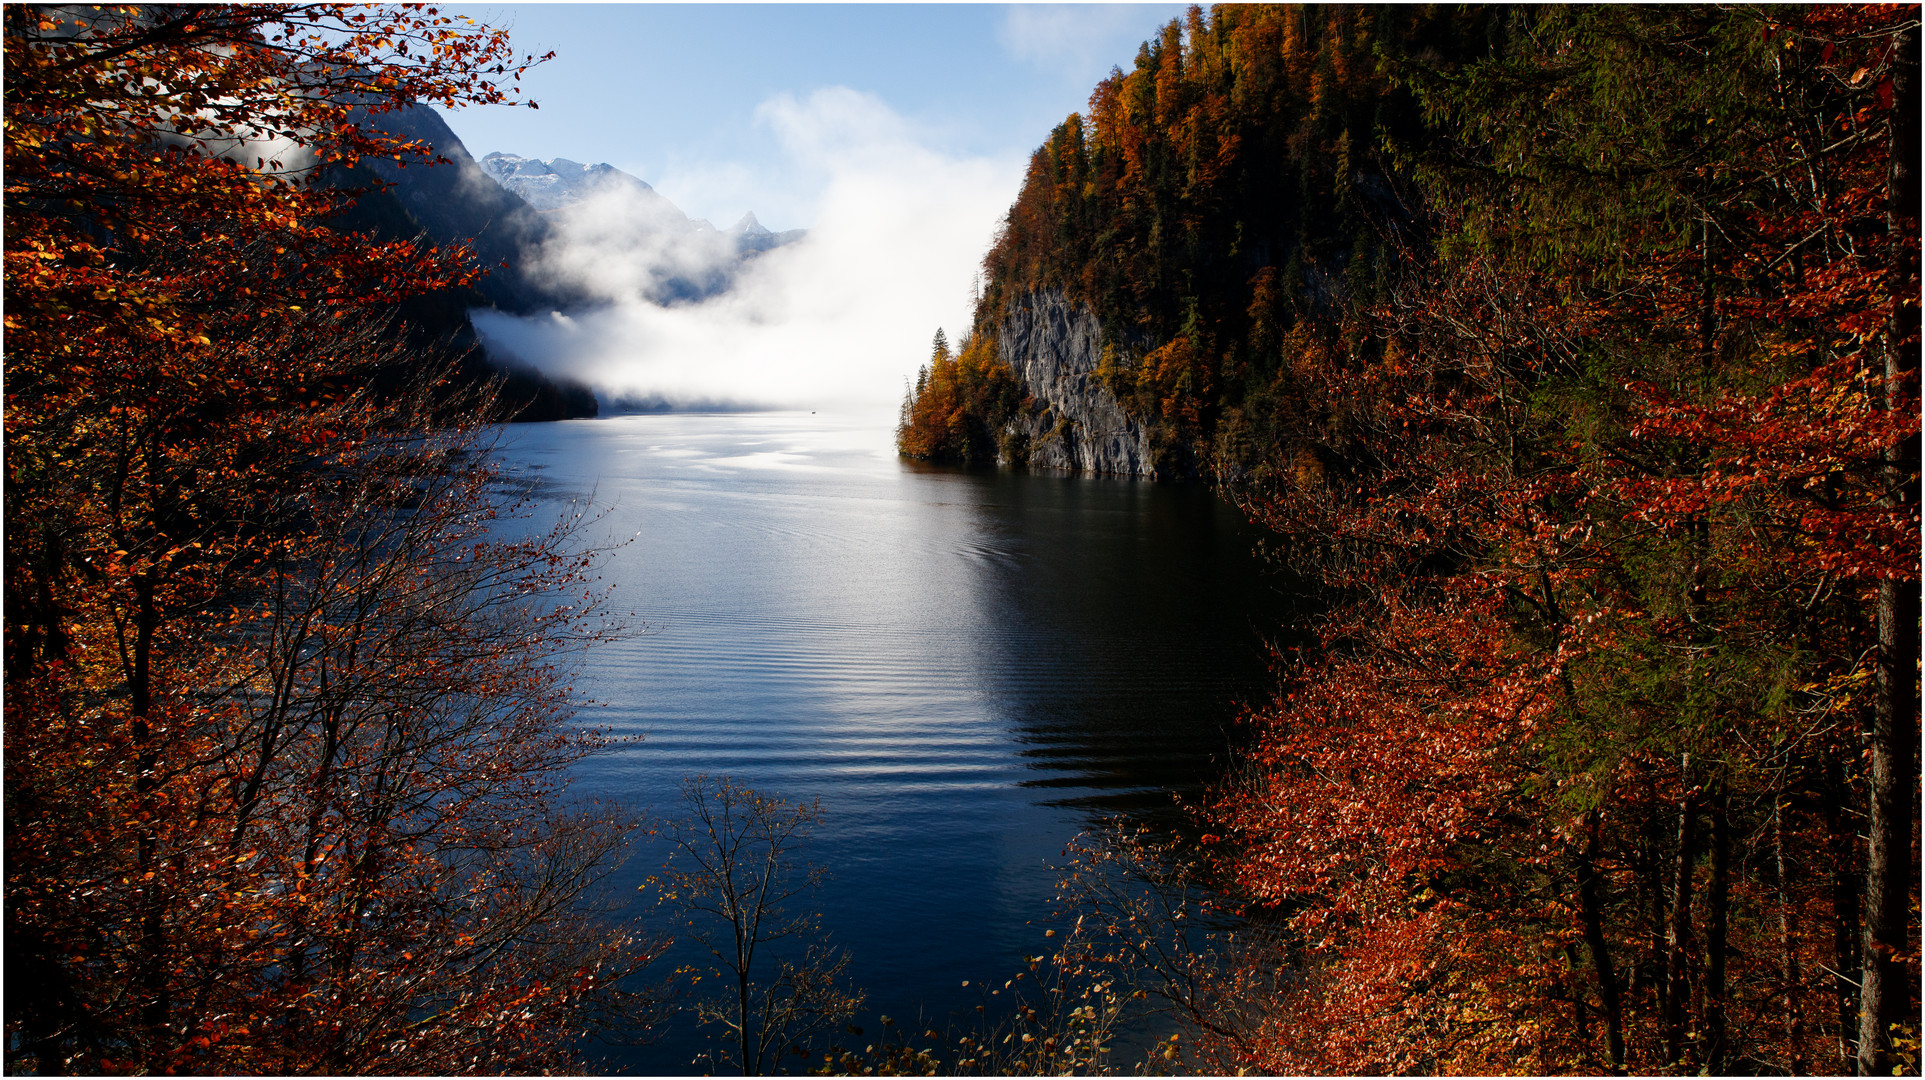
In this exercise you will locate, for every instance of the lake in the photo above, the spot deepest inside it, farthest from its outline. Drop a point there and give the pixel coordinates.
(967, 668)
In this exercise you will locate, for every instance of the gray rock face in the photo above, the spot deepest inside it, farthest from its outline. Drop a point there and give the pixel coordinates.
(1071, 421)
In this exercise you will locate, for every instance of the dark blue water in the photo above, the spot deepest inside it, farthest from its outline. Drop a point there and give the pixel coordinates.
(966, 668)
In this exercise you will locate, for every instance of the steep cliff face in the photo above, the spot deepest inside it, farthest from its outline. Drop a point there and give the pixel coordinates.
(1071, 420)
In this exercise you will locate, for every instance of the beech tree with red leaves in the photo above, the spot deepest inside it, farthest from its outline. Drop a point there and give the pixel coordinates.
(288, 720)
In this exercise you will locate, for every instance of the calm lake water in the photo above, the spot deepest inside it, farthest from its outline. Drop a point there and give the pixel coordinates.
(966, 668)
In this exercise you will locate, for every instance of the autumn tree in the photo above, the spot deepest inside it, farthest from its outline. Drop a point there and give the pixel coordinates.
(959, 405)
(288, 717)
(1606, 504)
(1571, 358)
(734, 872)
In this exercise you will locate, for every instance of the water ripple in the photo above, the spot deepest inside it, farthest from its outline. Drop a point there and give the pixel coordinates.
(965, 668)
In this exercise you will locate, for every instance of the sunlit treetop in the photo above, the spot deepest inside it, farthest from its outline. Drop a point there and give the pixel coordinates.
(218, 77)
(128, 127)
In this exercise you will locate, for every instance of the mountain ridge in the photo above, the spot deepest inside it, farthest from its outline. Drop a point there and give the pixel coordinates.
(551, 185)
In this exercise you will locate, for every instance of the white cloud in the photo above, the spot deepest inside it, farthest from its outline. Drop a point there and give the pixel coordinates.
(625, 243)
(836, 321)
(716, 190)
(837, 127)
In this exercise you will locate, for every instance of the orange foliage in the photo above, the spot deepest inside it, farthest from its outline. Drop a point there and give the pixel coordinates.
(1244, 145)
(1565, 782)
(285, 719)
(956, 411)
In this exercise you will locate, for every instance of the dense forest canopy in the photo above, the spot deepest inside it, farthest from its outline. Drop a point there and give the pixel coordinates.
(1571, 355)
(1234, 181)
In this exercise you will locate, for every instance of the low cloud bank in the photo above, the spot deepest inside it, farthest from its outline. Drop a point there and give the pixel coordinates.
(836, 321)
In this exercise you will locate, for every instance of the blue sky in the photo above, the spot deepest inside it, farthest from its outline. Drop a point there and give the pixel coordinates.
(679, 94)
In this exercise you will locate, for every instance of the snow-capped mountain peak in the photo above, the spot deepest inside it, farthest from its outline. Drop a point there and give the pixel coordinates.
(606, 204)
(556, 182)
(749, 227)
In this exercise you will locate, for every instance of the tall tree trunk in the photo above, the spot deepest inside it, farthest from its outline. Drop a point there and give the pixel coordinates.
(1678, 938)
(1791, 970)
(1719, 905)
(1845, 888)
(1653, 869)
(1589, 896)
(1885, 993)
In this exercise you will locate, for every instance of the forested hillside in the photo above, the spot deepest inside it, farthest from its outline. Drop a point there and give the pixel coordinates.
(1571, 355)
(1233, 183)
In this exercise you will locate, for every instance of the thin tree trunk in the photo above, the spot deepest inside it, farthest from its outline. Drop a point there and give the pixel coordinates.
(1885, 993)
(1719, 902)
(1792, 970)
(1678, 937)
(49, 643)
(1581, 1004)
(153, 929)
(1845, 881)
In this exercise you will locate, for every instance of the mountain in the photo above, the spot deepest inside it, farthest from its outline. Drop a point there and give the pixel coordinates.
(456, 203)
(546, 233)
(459, 202)
(752, 238)
(1235, 188)
(559, 184)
